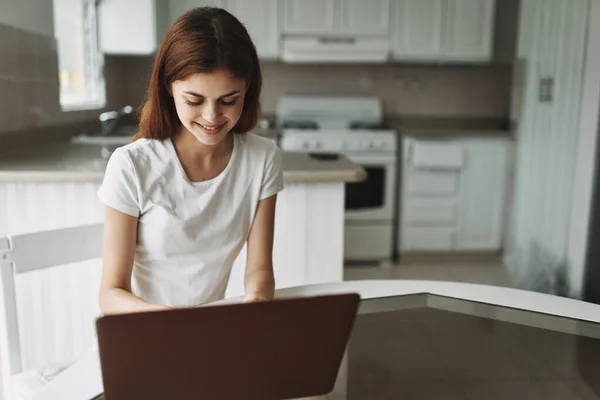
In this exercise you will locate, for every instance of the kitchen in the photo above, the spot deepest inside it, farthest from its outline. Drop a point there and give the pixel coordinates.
(424, 96)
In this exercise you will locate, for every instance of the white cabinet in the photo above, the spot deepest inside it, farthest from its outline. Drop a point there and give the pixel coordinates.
(309, 16)
(468, 33)
(346, 17)
(443, 30)
(483, 195)
(365, 17)
(128, 26)
(179, 7)
(454, 202)
(417, 32)
(261, 18)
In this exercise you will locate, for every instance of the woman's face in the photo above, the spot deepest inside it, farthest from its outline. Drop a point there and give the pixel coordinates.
(209, 104)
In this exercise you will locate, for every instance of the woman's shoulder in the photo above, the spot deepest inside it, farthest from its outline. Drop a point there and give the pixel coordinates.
(143, 150)
(256, 144)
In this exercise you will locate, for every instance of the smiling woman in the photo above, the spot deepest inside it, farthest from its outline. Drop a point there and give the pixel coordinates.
(195, 186)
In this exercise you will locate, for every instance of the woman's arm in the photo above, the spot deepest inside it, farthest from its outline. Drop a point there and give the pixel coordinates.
(259, 282)
(120, 234)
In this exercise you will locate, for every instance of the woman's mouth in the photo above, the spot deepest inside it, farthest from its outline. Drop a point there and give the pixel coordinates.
(210, 129)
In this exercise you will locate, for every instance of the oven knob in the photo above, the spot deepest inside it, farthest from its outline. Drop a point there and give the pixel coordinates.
(305, 144)
(318, 145)
(380, 144)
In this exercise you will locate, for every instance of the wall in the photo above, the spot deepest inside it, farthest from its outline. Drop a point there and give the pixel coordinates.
(32, 15)
(589, 129)
(444, 90)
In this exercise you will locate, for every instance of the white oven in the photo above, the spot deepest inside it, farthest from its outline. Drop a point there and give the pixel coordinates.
(351, 127)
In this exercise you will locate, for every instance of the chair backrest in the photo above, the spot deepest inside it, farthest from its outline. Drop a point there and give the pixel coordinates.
(26, 253)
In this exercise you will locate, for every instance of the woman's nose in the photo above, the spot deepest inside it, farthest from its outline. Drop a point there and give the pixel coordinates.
(210, 113)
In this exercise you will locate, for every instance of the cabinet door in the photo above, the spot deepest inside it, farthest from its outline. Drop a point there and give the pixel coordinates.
(309, 16)
(469, 28)
(417, 29)
(180, 7)
(127, 26)
(261, 19)
(365, 17)
(483, 195)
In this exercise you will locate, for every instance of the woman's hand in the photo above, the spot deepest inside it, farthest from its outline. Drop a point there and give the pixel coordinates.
(255, 298)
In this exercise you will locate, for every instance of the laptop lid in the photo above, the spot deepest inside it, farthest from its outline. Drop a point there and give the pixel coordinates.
(282, 349)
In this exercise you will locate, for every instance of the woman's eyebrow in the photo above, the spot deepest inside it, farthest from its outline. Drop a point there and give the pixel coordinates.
(199, 95)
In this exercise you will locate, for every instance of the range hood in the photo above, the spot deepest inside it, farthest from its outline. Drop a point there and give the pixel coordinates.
(312, 49)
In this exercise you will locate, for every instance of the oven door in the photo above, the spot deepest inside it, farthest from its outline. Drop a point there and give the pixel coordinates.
(373, 198)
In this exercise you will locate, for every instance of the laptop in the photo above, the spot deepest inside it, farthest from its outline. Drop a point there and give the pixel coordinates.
(282, 349)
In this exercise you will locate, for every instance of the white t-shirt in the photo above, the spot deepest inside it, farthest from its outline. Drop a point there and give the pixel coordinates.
(189, 233)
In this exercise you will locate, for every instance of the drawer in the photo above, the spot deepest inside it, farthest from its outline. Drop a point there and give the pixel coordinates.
(445, 183)
(429, 212)
(427, 239)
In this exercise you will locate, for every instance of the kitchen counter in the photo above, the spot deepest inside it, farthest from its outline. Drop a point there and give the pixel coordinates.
(73, 162)
(439, 128)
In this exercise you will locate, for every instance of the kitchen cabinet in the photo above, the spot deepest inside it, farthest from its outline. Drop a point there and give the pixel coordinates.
(454, 194)
(131, 26)
(260, 17)
(365, 17)
(345, 17)
(443, 30)
(309, 16)
(179, 7)
(417, 30)
(468, 33)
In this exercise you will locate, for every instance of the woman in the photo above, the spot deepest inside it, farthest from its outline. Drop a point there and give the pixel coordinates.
(184, 197)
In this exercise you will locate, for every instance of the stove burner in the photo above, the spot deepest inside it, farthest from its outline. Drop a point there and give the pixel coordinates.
(304, 125)
(369, 126)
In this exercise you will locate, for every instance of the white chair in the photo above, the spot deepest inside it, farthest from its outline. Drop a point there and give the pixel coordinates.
(21, 254)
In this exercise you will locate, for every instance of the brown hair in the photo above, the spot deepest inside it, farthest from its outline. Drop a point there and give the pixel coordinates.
(203, 40)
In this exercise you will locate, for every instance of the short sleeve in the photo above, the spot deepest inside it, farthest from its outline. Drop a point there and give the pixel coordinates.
(119, 188)
(272, 182)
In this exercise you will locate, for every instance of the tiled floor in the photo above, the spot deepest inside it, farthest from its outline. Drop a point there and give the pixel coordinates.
(483, 269)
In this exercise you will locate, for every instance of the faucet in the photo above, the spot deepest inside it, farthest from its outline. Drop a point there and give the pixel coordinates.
(111, 120)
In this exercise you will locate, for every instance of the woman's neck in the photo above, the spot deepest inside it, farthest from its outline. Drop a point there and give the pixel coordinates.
(191, 150)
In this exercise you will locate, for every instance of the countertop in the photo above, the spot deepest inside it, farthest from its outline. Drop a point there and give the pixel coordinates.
(73, 162)
(428, 127)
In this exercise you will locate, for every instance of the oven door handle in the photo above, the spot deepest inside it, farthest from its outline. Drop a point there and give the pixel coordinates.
(373, 160)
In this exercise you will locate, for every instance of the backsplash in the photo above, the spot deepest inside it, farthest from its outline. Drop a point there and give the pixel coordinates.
(416, 90)
(29, 84)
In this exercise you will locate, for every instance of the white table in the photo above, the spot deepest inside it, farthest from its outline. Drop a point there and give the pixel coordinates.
(83, 380)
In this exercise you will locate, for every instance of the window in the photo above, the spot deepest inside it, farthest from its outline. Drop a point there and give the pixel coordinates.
(80, 61)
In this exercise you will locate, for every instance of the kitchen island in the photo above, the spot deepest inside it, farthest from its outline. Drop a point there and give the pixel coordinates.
(55, 187)
(442, 340)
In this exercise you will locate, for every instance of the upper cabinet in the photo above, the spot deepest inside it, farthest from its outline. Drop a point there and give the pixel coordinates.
(260, 17)
(261, 20)
(365, 17)
(469, 27)
(443, 30)
(418, 29)
(454, 31)
(179, 7)
(128, 26)
(347, 17)
(309, 16)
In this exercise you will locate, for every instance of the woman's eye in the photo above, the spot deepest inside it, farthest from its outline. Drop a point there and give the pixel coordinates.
(192, 103)
(228, 103)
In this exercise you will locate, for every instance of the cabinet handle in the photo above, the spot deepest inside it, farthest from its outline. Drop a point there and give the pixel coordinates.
(326, 40)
